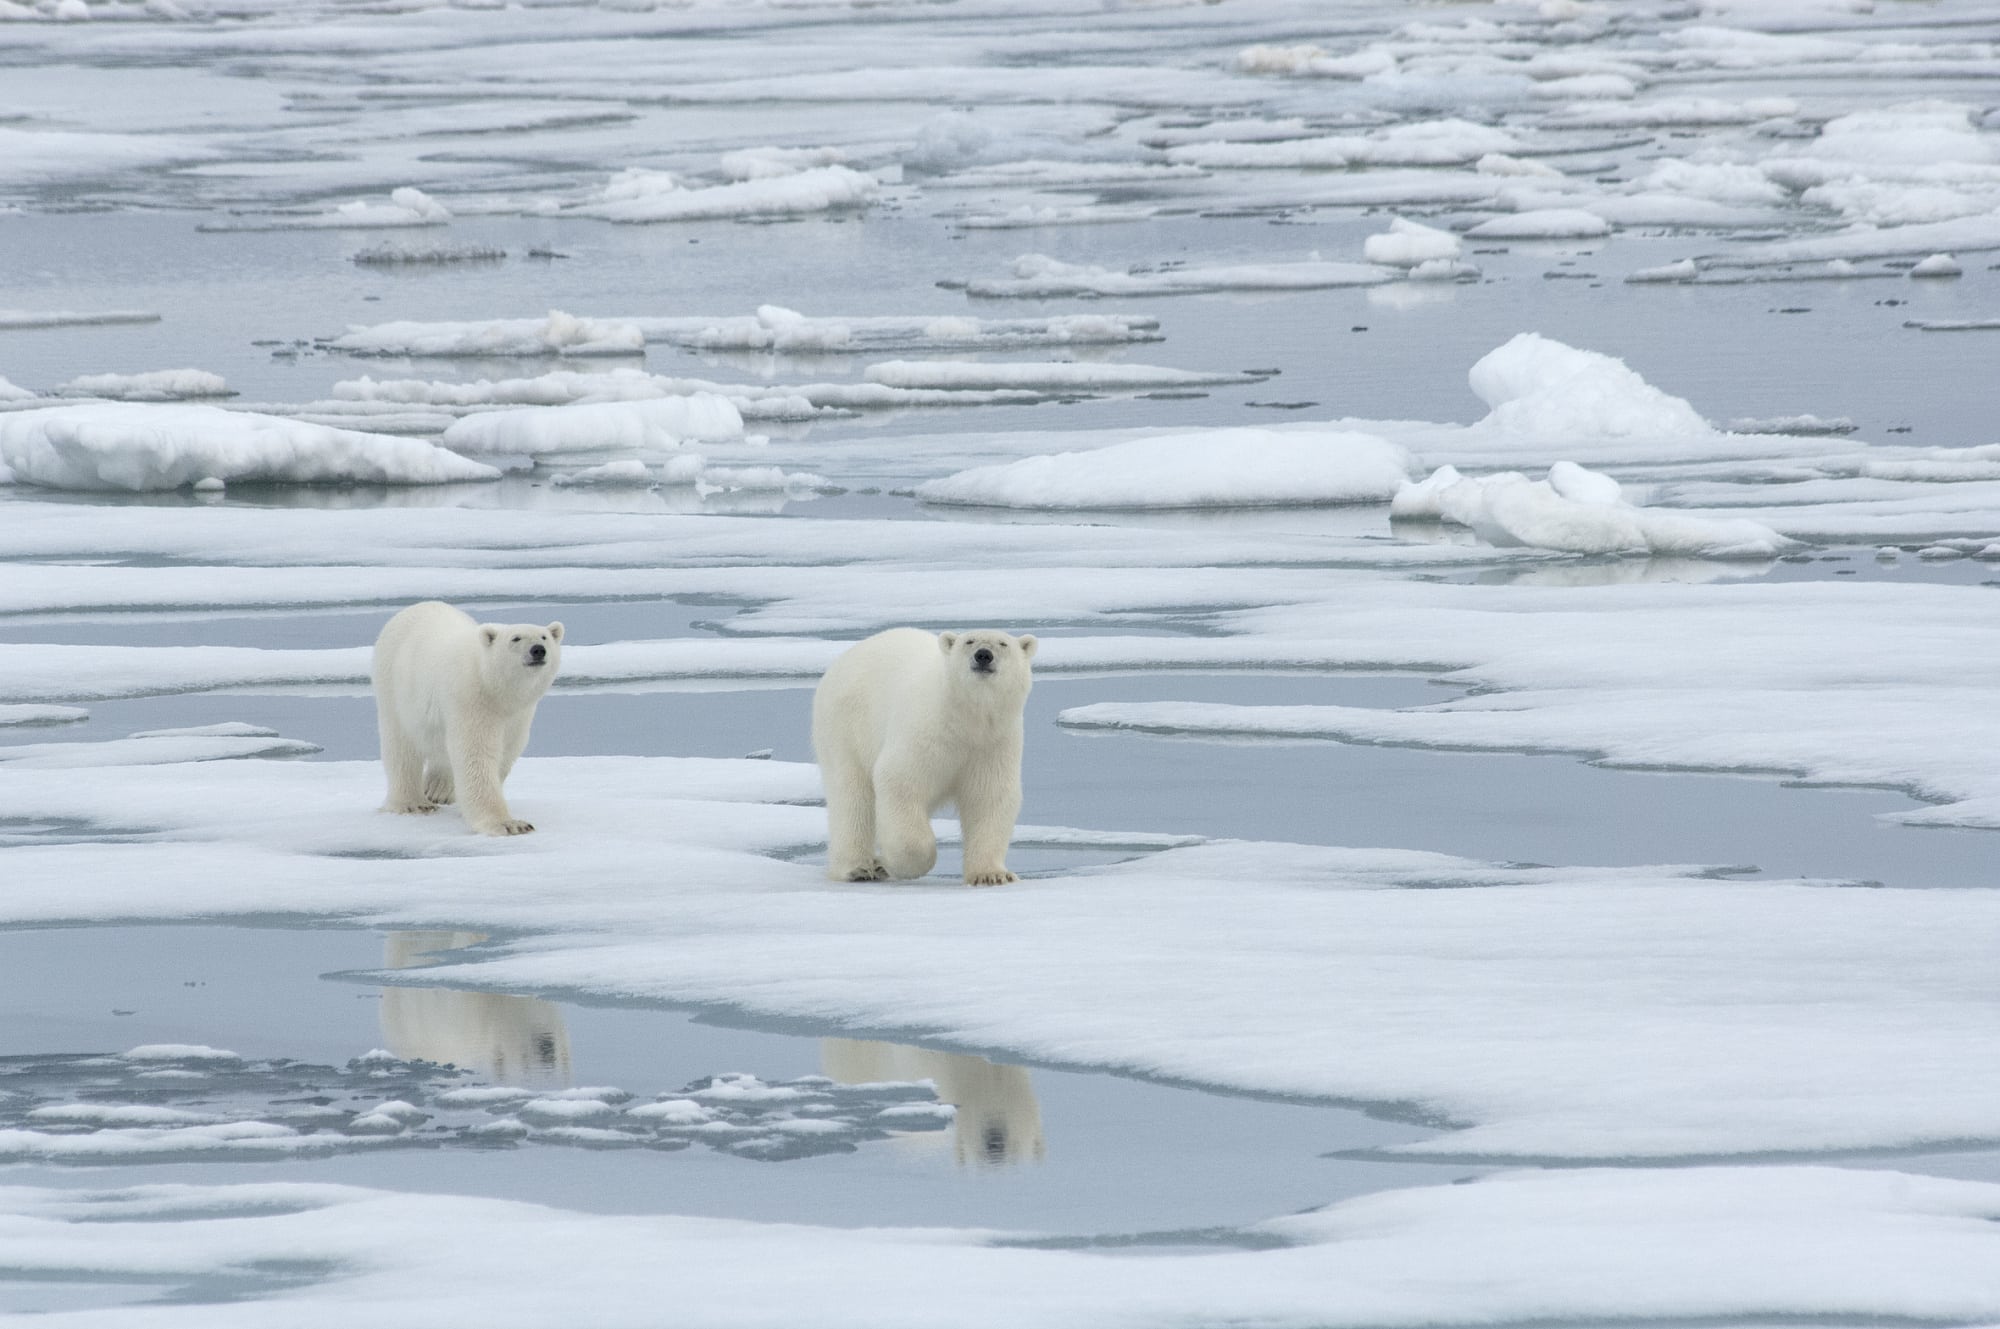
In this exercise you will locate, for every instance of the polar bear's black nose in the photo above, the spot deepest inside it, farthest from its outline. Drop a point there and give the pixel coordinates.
(982, 658)
(538, 652)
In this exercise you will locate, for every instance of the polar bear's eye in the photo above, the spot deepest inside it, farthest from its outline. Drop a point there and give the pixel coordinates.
(515, 639)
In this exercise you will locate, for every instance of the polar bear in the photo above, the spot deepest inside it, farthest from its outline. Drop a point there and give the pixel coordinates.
(454, 699)
(906, 722)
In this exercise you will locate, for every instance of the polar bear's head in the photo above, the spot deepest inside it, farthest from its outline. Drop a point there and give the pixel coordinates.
(523, 655)
(986, 657)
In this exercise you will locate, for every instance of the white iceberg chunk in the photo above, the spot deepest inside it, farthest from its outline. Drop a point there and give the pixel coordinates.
(1576, 511)
(154, 385)
(657, 424)
(134, 447)
(558, 334)
(1539, 386)
(639, 195)
(1210, 468)
(1543, 224)
(1938, 265)
(1407, 244)
(961, 374)
(1038, 275)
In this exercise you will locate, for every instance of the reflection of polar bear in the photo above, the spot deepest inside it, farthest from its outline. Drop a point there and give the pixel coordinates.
(904, 723)
(454, 699)
(504, 1038)
(998, 1119)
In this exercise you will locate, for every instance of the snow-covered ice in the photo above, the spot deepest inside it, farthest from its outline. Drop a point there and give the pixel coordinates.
(142, 447)
(1593, 380)
(1216, 468)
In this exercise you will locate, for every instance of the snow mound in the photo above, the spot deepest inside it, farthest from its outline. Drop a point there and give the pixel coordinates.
(132, 447)
(155, 385)
(1538, 386)
(640, 195)
(1576, 511)
(558, 334)
(612, 426)
(1211, 468)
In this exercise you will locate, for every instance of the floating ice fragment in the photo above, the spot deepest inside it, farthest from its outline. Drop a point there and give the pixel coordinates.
(1938, 265)
(1576, 511)
(1407, 244)
(1543, 224)
(155, 385)
(65, 318)
(144, 447)
(1209, 468)
(178, 1052)
(1539, 386)
(655, 425)
(1682, 271)
(629, 473)
(558, 334)
(639, 195)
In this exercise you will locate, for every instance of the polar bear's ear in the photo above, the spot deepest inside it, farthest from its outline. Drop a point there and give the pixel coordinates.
(1028, 645)
(947, 640)
(489, 633)
(555, 632)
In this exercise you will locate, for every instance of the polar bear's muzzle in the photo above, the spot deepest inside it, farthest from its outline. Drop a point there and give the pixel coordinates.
(538, 654)
(982, 661)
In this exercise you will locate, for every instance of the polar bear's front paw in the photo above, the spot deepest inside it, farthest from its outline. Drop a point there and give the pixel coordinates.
(411, 808)
(510, 828)
(869, 872)
(990, 877)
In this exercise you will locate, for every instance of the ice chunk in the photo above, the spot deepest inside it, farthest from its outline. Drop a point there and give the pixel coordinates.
(1211, 468)
(1406, 244)
(629, 473)
(70, 318)
(1539, 386)
(1543, 224)
(1577, 511)
(156, 385)
(658, 424)
(1938, 265)
(406, 207)
(1038, 275)
(558, 334)
(1679, 271)
(961, 374)
(639, 195)
(133, 447)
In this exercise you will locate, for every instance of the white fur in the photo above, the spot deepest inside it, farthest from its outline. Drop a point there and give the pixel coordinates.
(454, 700)
(903, 723)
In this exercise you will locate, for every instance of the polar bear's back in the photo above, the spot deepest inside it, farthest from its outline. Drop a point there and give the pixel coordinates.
(423, 652)
(874, 683)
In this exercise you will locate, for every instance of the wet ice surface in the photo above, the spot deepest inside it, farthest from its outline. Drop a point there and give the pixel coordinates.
(1216, 891)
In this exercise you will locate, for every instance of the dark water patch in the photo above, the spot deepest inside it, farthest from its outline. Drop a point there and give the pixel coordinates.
(1025, 1148)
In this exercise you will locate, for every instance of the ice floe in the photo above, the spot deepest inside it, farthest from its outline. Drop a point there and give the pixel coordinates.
(558, 334)
(154, 385)
(142, 447)
(1039, 276)
(602, 427)
(1214, 468)
(1698, 1243)
(640, 195)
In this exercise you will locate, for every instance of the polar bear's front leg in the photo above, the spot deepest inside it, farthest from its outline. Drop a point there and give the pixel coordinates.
(903, 826)
(475, 771)
(850, 824)
(403, 760)
(987, 810)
